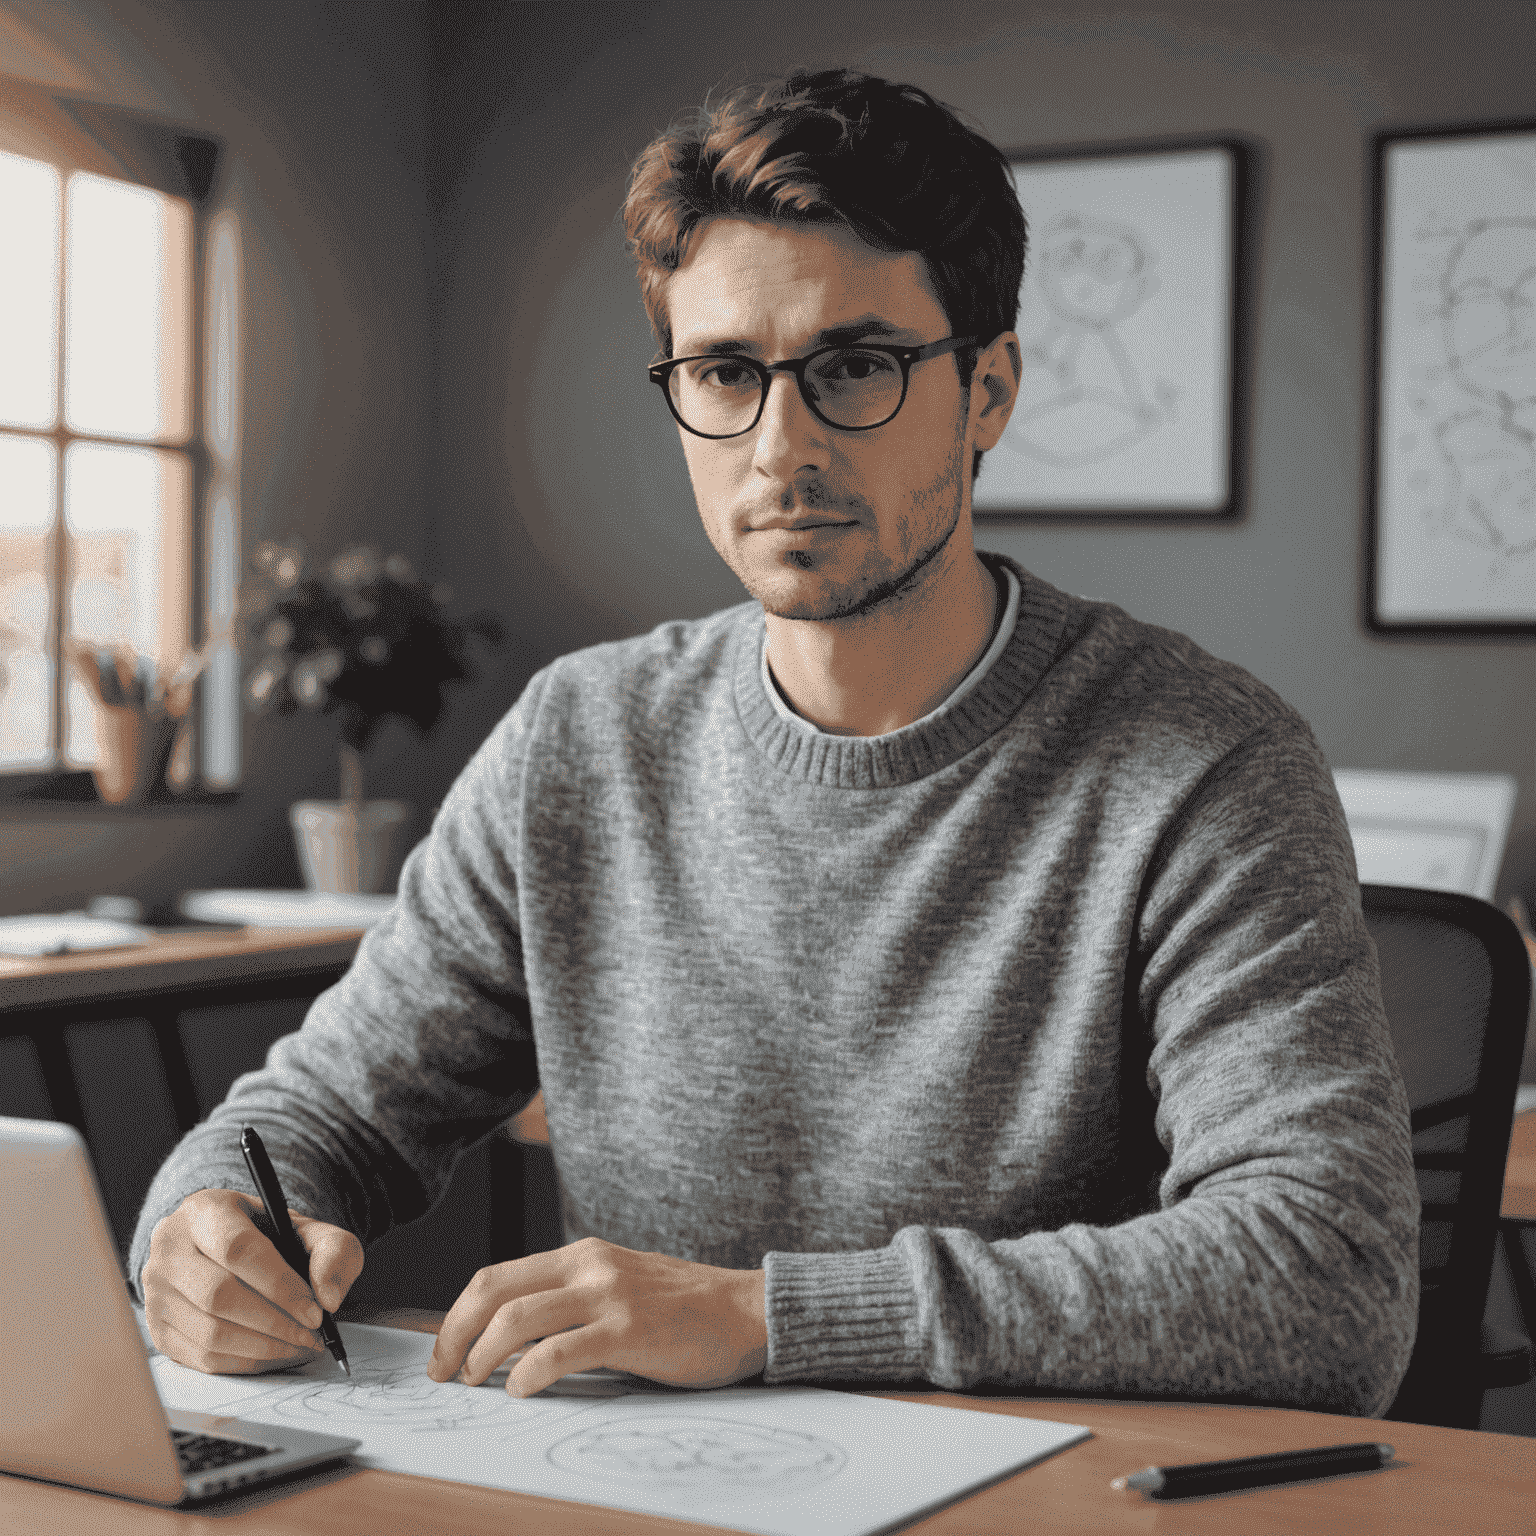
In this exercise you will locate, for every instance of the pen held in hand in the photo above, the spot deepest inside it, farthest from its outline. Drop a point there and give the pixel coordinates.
(1255, 1471)
(264, 1176)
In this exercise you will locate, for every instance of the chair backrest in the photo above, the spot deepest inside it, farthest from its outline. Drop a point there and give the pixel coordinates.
(1456, 981)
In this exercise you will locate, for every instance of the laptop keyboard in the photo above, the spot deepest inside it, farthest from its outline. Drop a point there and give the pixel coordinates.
(201, 1453)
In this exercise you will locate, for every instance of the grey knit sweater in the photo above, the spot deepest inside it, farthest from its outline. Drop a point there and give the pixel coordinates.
(1038, 1044)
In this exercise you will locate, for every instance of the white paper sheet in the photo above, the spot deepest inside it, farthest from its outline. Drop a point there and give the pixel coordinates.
(286, 909)
(61, 933)
(786, 1461)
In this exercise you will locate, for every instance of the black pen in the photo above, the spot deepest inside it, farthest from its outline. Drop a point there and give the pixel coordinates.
(264, 1176)
(1254, 1471)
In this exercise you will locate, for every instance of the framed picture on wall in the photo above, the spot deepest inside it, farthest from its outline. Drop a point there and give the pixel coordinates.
(1451, 525)
(1127, 326)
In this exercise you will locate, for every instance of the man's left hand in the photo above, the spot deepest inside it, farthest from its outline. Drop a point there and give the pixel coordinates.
(591, 1305)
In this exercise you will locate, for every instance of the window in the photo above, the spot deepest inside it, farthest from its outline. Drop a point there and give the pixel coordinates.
(103, 465)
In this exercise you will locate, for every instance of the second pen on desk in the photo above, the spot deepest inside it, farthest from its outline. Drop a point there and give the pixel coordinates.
(264, 1176)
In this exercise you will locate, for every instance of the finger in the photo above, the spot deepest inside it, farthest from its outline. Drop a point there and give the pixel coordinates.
(217, 1293)
(335, 1259)
(491, 1288)
(544, 1363)
(516, 1322)
(477, 1304)
(227, 1235)
(186, 1350)
(219, 1335)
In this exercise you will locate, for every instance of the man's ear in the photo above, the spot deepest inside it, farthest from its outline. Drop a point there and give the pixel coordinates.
(995, 388)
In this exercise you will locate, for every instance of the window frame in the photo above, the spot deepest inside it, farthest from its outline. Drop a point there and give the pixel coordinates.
(87, 134)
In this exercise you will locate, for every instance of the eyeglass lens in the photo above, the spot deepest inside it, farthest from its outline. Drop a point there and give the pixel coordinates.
(851, 387)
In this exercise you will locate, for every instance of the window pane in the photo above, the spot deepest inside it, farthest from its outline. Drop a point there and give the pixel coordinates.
(128, 514)
(29, 291)
(128, 310)
(27, 471)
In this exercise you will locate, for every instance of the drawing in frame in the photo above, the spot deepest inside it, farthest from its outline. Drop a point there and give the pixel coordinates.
(1128, 336)
(1451, 467)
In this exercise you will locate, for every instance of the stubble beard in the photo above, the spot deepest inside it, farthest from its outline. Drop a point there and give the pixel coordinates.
(869, 589)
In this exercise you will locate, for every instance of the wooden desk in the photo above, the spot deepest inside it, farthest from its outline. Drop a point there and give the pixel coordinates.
(173, 958)
(178, 970)
(1444, 1481)
(1520, 1171)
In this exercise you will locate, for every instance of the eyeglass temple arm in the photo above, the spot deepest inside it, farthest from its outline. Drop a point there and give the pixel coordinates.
(938, 348)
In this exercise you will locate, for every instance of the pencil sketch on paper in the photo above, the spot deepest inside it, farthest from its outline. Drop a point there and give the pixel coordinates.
(700, 1453)
(782, 1461)
(391, 1394)
(1083, 396)
(1472, 400)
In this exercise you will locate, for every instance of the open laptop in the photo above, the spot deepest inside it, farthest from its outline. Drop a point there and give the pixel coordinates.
(77, 1398)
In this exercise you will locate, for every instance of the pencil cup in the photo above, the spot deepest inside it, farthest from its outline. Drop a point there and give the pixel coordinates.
(132, 748)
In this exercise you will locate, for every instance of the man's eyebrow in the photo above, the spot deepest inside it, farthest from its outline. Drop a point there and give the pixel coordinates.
(863, 329)
(866, 328)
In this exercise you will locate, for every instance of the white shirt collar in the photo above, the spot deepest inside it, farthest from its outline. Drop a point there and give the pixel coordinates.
(966, 684)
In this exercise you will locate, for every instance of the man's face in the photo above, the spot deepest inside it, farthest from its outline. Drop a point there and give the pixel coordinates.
(819, 523)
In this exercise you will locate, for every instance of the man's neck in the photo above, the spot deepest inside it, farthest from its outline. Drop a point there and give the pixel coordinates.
(885, 669)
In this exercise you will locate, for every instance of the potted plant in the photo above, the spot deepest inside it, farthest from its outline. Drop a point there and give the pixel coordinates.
(366, 638)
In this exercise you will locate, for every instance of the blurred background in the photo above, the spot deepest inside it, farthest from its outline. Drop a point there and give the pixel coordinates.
(424, 202)
(420, 331)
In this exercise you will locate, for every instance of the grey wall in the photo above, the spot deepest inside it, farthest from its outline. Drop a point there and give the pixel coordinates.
(564, 496)
(429, 198)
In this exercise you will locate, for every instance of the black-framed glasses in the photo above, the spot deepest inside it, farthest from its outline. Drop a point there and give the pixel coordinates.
(852, 388)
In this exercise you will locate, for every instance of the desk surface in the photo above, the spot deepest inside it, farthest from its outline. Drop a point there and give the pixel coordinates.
(173, 958)
(1444, 1480)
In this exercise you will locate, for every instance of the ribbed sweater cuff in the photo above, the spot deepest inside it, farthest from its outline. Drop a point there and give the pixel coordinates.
(841, 1316)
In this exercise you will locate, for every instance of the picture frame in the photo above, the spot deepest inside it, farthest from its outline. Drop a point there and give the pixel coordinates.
(1450, 529)
(1440, 831)
(1128, 408)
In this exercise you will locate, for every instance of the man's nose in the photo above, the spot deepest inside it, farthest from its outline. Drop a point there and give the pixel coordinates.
(789, 437)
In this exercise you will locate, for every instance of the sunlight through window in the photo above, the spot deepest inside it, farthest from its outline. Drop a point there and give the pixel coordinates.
(29, 280)
(26, 602)
(97, 499)
(128, 303)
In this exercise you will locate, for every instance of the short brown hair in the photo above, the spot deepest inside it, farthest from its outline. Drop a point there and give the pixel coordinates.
(888, 161)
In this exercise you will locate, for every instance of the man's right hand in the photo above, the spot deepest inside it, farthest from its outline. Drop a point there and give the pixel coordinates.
(219, 1297)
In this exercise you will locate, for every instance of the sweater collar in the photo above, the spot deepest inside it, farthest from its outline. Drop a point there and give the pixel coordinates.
(913, 752)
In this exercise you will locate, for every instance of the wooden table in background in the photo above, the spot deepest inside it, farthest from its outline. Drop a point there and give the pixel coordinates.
(1443, 1481)
(173, 958)
(179, 969)
(1520, 1171)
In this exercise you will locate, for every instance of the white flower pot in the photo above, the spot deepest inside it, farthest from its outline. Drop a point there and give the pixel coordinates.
(349, 845)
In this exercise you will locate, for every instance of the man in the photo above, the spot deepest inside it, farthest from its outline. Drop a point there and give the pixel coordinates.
(929, 975)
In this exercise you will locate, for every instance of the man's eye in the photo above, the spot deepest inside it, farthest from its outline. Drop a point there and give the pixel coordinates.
(854, 367)
(725, 375)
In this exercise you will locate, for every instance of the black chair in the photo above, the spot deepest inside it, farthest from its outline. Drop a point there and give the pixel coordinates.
(1456, 980)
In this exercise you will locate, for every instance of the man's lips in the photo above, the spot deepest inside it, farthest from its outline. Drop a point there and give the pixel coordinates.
(799, 524)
